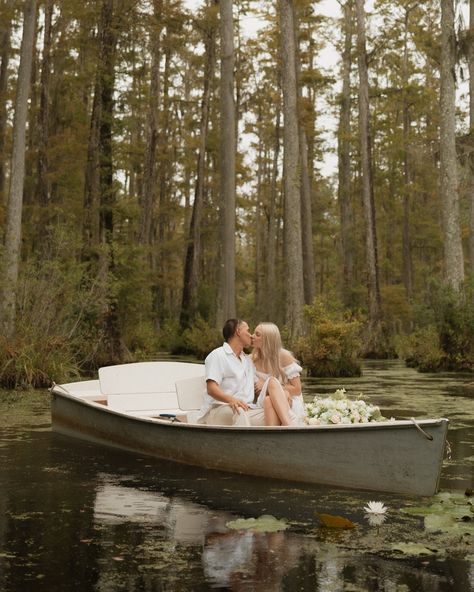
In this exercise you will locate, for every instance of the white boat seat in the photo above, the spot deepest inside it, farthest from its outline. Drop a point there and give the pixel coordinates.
(145, 388)
(190, 393)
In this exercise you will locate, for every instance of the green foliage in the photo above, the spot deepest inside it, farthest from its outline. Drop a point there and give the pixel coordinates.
(332, 342)
(446, 342)
(421, 349)
(36, 362)
(198, 340)
(56, 332)
(170, 336)
(201, 338)
(397, 312)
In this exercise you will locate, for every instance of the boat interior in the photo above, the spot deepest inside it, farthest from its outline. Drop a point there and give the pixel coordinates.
(156, 390)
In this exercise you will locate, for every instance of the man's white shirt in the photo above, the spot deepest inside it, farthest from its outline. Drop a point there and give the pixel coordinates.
(234, 375)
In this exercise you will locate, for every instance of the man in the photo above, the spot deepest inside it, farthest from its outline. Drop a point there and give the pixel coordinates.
(230, 381)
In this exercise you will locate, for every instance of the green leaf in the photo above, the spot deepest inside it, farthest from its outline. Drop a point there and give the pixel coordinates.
(265, 523)
(413, 549)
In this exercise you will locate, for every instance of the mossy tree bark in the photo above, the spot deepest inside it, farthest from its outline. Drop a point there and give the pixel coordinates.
(453, 252)
(12, 241)
(291, 174)
(375, 331)
(344, 163)
(227, 223)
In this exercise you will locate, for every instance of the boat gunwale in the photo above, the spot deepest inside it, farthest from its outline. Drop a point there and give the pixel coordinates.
(393, 424)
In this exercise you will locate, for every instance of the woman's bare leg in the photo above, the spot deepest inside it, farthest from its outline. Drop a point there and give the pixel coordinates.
(279, 402)
(271, 417)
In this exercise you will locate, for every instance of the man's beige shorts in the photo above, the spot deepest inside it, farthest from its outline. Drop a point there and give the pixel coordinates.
(223, 415)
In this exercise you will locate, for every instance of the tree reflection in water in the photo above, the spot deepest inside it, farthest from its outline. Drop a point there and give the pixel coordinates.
(75, 516)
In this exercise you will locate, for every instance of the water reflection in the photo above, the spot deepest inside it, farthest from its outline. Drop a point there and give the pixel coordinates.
(74, 516)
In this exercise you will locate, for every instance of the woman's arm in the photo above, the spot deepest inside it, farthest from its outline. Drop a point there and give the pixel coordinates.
(293, 386)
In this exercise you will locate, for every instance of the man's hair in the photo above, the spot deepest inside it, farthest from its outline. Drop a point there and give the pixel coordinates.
(229, 328)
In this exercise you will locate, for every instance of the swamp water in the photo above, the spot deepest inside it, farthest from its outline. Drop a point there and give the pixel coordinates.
(75, 516)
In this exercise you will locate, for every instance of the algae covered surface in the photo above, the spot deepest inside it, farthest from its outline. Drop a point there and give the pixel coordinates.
(78, 516)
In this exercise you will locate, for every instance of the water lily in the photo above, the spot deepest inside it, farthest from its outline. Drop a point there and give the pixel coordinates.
(376, 513)
(376, 519)
(376, 508)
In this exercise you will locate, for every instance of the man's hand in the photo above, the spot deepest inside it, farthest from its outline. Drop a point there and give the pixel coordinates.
(216, 393)
(237, 404)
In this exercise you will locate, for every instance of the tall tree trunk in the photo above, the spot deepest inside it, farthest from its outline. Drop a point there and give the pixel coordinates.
(471, 133)
(407, 170)
(226, 299)
(113, 348)
(5, 33)
(43, 189)
(260, 307)
(374, 342)
(149, 168)
(453, 253)
(189, 303)
(344, 165)
(12, 244)
(160, 259)
(291, 166)
(90, 224)
(271, 274)
(309, 278)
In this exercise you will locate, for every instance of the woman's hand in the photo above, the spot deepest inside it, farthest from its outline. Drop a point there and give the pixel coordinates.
(258, 385)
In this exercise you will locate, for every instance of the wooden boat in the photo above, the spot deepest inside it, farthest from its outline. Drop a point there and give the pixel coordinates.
(151, 408)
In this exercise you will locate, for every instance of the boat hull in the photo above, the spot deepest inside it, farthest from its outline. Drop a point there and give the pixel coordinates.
(391, 456)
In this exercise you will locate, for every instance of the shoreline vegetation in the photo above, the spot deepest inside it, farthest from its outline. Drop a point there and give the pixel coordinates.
(332, 345)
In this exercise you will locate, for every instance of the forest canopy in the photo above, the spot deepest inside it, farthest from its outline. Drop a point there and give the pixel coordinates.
(163, 166)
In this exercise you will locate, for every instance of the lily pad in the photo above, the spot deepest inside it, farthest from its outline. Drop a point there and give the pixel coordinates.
(412, 549)
(265, 523)
(331, 521)
(446, 514)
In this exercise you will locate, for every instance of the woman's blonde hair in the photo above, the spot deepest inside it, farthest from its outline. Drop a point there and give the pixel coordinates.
(268, 355)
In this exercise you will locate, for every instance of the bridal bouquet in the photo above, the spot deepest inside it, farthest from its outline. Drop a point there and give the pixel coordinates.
(338, 408)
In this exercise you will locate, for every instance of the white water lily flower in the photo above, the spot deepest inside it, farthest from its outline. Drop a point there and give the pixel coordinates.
(376, 519)
(375, 508)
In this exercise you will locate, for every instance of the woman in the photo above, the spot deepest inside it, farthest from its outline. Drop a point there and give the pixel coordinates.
(278, 378)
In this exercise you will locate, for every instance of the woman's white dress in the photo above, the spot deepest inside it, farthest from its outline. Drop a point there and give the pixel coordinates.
(293, 370)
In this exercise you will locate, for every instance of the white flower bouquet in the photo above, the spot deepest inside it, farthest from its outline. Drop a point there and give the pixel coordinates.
(339, 409)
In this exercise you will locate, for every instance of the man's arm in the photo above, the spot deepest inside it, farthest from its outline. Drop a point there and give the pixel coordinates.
(215, 391)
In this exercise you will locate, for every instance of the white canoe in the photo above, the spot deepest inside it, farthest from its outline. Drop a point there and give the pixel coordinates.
(122, 409)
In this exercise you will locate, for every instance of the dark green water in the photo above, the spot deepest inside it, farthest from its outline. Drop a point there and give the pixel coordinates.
(75, 516)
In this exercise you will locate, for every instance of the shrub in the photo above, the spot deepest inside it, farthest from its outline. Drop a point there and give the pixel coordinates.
(421, 349)
(170, 336)
(332, 342)
(36, 363)
(446, 340)
(201, 338)
(56, 328)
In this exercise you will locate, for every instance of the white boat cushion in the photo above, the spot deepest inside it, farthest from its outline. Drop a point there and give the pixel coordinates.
(148, 387)
(146, 377)
(190, 392)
